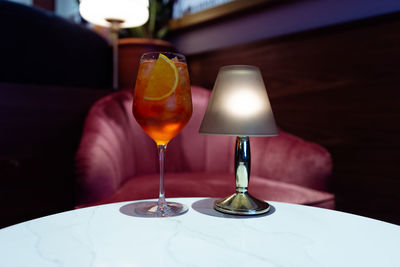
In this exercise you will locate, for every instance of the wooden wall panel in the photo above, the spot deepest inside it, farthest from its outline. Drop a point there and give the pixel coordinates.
(337, 86)
(45, 4)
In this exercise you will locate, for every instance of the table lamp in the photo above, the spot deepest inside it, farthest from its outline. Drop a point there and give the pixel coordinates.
(239, 106)
(115, 14)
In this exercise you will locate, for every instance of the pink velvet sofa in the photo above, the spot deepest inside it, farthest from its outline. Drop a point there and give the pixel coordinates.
(116, 161)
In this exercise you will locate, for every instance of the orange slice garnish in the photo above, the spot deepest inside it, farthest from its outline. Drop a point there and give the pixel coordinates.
(163, 80)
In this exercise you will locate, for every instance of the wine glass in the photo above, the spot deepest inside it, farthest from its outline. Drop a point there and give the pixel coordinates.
(162, 105)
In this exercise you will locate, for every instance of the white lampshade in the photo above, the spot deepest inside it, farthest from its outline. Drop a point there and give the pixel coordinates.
(133, 13)
(239, 104)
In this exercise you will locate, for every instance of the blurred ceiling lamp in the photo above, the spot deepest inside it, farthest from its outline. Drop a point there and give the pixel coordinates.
(239, 106)
(115, 14)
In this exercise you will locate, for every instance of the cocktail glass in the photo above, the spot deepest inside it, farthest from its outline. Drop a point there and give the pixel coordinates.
(162, 105)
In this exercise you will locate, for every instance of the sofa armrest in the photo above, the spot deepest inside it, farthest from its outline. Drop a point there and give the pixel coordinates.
(290, 159)
(113, 148)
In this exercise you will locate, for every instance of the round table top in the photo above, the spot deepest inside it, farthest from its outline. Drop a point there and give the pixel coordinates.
(289, 235)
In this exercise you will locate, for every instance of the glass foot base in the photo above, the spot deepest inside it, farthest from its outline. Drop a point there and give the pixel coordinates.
(241, 204)
(151, 209)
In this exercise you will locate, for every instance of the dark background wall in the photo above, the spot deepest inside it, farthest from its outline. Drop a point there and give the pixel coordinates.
(51, 72)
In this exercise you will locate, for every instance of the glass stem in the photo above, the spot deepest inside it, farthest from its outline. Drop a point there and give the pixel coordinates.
(161, 198)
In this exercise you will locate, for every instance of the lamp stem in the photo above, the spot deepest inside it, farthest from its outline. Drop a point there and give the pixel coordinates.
(115, 28)
(242, 163)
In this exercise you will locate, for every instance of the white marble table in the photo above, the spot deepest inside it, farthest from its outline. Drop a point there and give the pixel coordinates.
(290, 235)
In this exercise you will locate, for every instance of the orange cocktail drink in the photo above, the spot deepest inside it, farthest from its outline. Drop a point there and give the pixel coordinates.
(162, 103)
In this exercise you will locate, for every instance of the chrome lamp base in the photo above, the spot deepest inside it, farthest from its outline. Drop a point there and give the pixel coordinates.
(241, 204)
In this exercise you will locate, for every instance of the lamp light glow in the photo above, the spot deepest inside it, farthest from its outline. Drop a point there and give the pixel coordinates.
(243, 103)
(131, 13)
(239, 104)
